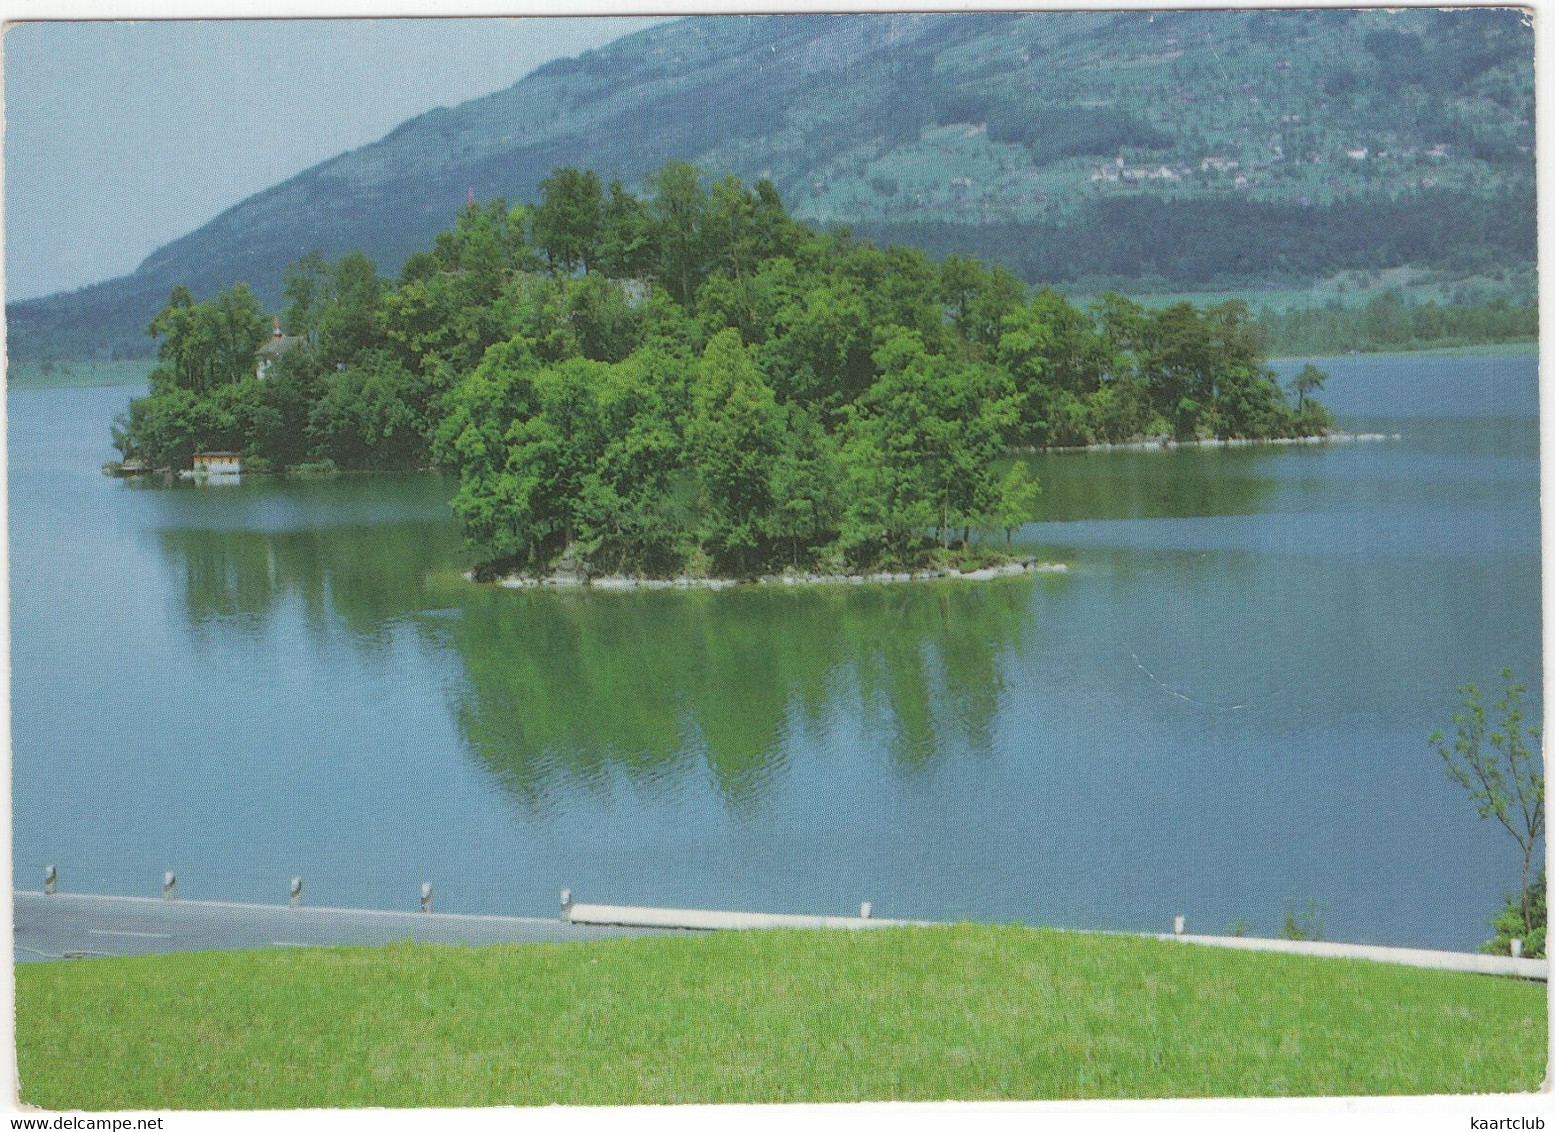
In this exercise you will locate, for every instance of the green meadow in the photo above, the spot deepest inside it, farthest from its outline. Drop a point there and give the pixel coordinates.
(911, 1014)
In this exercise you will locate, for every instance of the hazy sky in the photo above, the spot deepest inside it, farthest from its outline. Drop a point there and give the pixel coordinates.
(120, 137)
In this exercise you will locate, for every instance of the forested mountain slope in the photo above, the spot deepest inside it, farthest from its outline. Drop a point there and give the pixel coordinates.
(1188, 148)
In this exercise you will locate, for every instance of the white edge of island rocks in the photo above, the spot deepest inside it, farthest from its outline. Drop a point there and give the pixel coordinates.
(575, 580)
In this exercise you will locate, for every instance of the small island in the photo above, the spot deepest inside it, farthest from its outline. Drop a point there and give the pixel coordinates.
(692, 388)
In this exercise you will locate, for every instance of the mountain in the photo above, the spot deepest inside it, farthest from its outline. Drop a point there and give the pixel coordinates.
(1187, 149)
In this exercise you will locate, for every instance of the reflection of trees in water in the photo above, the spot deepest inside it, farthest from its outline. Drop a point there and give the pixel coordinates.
(579, 689)
(1156, 485)
(582, 688)
(365, 575)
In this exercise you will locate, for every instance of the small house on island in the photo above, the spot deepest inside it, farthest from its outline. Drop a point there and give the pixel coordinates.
(279, 344)
(218, 463)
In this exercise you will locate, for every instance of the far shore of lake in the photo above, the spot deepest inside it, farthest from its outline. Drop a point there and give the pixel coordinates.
(1518, 349)
(25, 376)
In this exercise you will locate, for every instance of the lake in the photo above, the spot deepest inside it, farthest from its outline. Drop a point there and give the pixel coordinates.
(1220, 711)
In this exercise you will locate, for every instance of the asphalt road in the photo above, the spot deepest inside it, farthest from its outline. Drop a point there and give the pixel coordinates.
(66, 926)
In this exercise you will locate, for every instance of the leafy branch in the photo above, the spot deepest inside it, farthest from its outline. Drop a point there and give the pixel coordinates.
(1501, 767)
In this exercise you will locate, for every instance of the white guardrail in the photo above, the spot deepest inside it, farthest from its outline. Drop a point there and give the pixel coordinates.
(700, 919)
(1403, 956)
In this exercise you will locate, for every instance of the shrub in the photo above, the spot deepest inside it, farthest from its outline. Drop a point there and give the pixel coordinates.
(1303, 922)
(1509, 925)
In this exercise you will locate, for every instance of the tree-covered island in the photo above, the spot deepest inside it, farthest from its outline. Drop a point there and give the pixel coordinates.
(692, 382)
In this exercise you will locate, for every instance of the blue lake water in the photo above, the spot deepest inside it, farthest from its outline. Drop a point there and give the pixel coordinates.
(1220, 711)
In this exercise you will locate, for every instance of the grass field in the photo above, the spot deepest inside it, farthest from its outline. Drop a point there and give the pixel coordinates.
(889, 1014)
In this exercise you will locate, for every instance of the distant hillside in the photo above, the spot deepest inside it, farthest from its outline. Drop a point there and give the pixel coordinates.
(1184, 148)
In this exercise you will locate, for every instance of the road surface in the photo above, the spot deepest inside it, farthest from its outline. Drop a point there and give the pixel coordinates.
(68, 926)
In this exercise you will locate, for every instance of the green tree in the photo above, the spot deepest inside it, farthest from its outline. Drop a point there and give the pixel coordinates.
(1247, 402)
(921, 449)
(773, 233)
(1000, 294)
(605, 326)
(350, 325)
(569, 219)
(286, 397)
(1309, 380)
(729, 226)
(237, 327)
(175, 324)
(960, 281)
(163, 430)
(1500, 764)
(1177, 363)
(485, 245)
(480, 412)
(209, 344)
(734, 439)
(1057, 360)
(306, 287)
(633, 512)
(367, 416)
(805, 488)
(628, 247)
(553, 451)
(679, 209)
(820, 349)
(1015, 501)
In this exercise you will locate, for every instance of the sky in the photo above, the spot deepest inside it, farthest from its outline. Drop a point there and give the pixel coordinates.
(122, 136)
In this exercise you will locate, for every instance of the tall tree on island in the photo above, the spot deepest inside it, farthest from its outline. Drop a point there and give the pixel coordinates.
(628, 246)
(734, 439)
(679, 207)
(206, 345)
(569, 219)
(1309, 380)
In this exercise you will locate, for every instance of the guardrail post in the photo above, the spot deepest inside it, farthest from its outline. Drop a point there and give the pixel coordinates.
(864, 909)
(169, 883)
(426, 896)
(295, 900)
(566, 905)
(50, 879)
(1178, 923)
(1517, 949)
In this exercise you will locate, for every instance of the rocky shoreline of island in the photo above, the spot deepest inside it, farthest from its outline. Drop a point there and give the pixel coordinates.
(579, 579)
(1166, 443)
